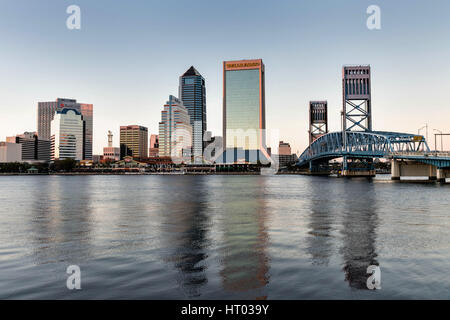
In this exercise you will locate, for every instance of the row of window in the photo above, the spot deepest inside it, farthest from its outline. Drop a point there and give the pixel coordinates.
(357, 86)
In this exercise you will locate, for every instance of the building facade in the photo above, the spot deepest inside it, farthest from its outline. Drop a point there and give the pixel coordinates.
(175, 130)
(284, 148)
(110, 152)
(244, 119)
(192, 91)
(133, 141)
(285, 155)
(67, 135)
(87, 111)
(47, 111)
(153, 151)
(10, 152)
(33, 148)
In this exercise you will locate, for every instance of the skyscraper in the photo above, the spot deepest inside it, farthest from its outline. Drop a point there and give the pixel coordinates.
(244, 119)
(133, 141)
(47, 111)
(192, 91)
(175, 131)
(87, 111)
(67, 135)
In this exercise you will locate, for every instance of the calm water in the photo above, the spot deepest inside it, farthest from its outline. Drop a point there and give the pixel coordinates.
(222, 237)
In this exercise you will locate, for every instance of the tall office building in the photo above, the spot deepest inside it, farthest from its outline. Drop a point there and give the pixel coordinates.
(87, 111)
(175, 131)
(244, 119)
(192, 91)
(133, 141)
(67, 135)
(47, 111)
(33, 148)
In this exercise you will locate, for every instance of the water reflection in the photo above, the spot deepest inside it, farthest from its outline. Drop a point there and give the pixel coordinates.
(245, 263)
(61, 224)
(360, 222)
(186, 231)
(321, 221)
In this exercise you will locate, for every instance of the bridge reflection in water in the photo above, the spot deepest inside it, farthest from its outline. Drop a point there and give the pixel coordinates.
(359, 228)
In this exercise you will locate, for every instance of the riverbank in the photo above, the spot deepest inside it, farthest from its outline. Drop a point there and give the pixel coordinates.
(130, 173)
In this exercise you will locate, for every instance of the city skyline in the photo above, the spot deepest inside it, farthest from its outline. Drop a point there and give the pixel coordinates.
(409, 75)
(194, 153)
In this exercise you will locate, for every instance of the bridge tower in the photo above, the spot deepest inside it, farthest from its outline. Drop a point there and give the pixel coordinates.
(318, 119)
(356, 113)
(318, 126)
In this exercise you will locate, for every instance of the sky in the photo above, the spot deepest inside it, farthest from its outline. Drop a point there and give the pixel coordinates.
(128, 55)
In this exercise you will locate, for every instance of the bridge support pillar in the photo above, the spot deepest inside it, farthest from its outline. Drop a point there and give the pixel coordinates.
(395, 170)
(433, 173)
(412, 169)
(442, 174)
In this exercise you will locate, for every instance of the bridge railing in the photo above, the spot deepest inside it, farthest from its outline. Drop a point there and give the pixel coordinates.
(421, 154)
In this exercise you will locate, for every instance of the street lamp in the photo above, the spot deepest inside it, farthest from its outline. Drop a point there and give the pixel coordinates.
(424, 127)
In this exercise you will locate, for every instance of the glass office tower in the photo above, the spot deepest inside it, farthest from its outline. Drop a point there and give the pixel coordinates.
(192, 91)
(244, 120)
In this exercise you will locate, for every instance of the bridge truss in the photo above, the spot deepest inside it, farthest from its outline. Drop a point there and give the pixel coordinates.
(375, 144)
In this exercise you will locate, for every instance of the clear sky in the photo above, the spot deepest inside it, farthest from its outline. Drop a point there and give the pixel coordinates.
(128, 55)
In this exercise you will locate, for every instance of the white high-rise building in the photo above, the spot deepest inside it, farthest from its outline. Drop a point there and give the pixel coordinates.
(67, 135)
(47, 111)
(175, 130)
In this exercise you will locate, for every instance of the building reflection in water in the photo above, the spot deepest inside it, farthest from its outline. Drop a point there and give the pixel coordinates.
(185, 231)
(359, 224)
(244, 262)
(61, 227)
(321, 220)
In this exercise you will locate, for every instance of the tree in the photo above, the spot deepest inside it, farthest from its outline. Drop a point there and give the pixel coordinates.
(65, 165)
